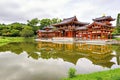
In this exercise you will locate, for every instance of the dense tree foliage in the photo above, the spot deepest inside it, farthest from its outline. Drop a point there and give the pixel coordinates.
(26, 30)
(117, 30)
(11, 29)
(47, 22)
(34, 23)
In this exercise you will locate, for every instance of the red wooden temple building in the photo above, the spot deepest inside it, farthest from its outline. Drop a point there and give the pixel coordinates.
(100, 29)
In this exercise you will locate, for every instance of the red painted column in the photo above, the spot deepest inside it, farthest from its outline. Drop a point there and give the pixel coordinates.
(71, 33)
(68, 33)
(101, 35)
(82, 36)
(91, 36)
(107, 35)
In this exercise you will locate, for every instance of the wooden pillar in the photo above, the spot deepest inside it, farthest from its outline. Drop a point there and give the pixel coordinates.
(60, 34)
(91, 36)
(71, 34)
(65, 34)
(94, 36)
(82, 36)
(97, 36)
(106, 36)
(86, 36)
(101, 35)
(68, 33)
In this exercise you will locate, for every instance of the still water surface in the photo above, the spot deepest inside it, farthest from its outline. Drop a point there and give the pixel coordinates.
(51, 61)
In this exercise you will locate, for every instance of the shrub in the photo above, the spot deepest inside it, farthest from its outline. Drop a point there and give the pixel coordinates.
(72, 72)
(115, 77)
(27, 32)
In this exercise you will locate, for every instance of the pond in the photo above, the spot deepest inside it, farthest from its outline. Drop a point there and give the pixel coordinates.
(51, 61)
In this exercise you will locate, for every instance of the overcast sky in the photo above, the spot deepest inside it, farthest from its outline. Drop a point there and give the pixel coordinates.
(85, 10)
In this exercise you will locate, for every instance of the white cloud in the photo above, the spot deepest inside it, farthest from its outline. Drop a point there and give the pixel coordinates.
(85, 10)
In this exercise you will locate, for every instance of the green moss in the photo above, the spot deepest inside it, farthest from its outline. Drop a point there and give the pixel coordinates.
(103, 75)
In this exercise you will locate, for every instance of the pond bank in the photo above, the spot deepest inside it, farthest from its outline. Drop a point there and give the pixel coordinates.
(97, 42)
(6, 40)
(103, 75)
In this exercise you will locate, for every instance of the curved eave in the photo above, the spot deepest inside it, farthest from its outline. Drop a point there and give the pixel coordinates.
(74, 22)
(109, 18)
(61, 24)
(98, 23)
(80, 23)
(104, 19)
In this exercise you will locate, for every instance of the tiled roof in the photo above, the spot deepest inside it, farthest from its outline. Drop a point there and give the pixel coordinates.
(70, 20)
(99, 23)
(104, 18)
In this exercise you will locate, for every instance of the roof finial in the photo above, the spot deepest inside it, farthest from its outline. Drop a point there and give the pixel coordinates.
(103, 15)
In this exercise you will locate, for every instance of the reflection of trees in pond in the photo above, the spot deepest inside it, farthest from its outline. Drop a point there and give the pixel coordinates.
(18, 48)
(98, 54)
(117, 50)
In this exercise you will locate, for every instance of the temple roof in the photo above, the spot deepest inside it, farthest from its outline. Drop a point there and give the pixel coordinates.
(109, 18)
(48, 27)
(99, 23)
(72, 20)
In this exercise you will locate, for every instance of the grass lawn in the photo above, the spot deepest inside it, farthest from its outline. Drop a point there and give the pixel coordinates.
(118, 39)
(6, 40)
(103, 75)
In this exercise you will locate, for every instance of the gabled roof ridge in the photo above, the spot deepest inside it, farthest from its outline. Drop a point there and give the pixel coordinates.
(72, 18)
(103, 17)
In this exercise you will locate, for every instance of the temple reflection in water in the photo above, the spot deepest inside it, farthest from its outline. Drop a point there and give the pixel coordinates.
(97, 54)
(102, 55)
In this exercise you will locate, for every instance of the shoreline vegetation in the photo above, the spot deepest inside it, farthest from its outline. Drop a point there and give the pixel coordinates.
(118, 39)
(6, 40)
(113, 74)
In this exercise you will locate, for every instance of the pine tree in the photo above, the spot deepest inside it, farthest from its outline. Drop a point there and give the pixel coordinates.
(118, 23)
(118, 20)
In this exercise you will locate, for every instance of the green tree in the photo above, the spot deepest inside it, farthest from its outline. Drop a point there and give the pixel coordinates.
(1, 28)
(27, 32)
(72, 72)
(118, 24)
(5, 30)
(55, 20)
(44, 22)
(47, 22)
(34, 23)
(15, 32)
(17, 26)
